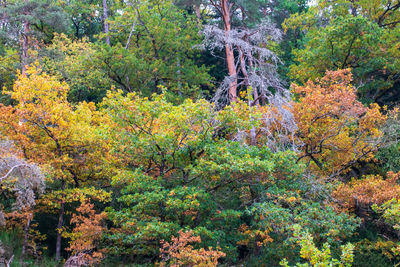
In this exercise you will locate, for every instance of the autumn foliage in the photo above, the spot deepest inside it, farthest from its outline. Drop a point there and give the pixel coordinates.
(371, 190)
(86, 234)
(198, 133)
(180, 252)
(48, 129)
(336, 130)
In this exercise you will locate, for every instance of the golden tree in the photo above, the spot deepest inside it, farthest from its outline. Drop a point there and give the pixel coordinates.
(51, 132)
(335, 129)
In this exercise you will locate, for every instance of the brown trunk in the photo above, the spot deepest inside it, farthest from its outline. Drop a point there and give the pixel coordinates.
(230, 61)
(230, 58)
(60, 225)
(106, 26)
(25, 46)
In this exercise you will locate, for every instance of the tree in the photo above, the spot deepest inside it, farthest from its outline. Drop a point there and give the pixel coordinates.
(9, 61)
(50, 131)
(157, 136)
(84, 17)
(292, 39)
(351, 34)
(85, 236)
(153, 44)
(66, 58)
(155, 143)
(249, 58)
(335, 129)
(23, 178)
(225, 8)
(105, 19)
(21, 183)
(151, 211)
(30, 22)
(255, 62)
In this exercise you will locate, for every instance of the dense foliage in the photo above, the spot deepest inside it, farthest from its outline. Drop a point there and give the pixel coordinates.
(199, 133)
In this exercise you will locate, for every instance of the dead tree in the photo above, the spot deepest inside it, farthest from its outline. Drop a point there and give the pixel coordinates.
(28, 182)
(255, 71)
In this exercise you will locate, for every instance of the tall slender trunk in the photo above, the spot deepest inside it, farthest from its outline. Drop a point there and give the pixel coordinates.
(230, 57)
(25, 46)
(60, 224)
(105, 17)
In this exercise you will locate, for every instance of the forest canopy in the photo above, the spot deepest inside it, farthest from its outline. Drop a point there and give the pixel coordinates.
(199, 133)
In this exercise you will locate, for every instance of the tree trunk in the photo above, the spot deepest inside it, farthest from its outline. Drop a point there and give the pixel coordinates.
(60, 225)
(230, 57)
(105, 17)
